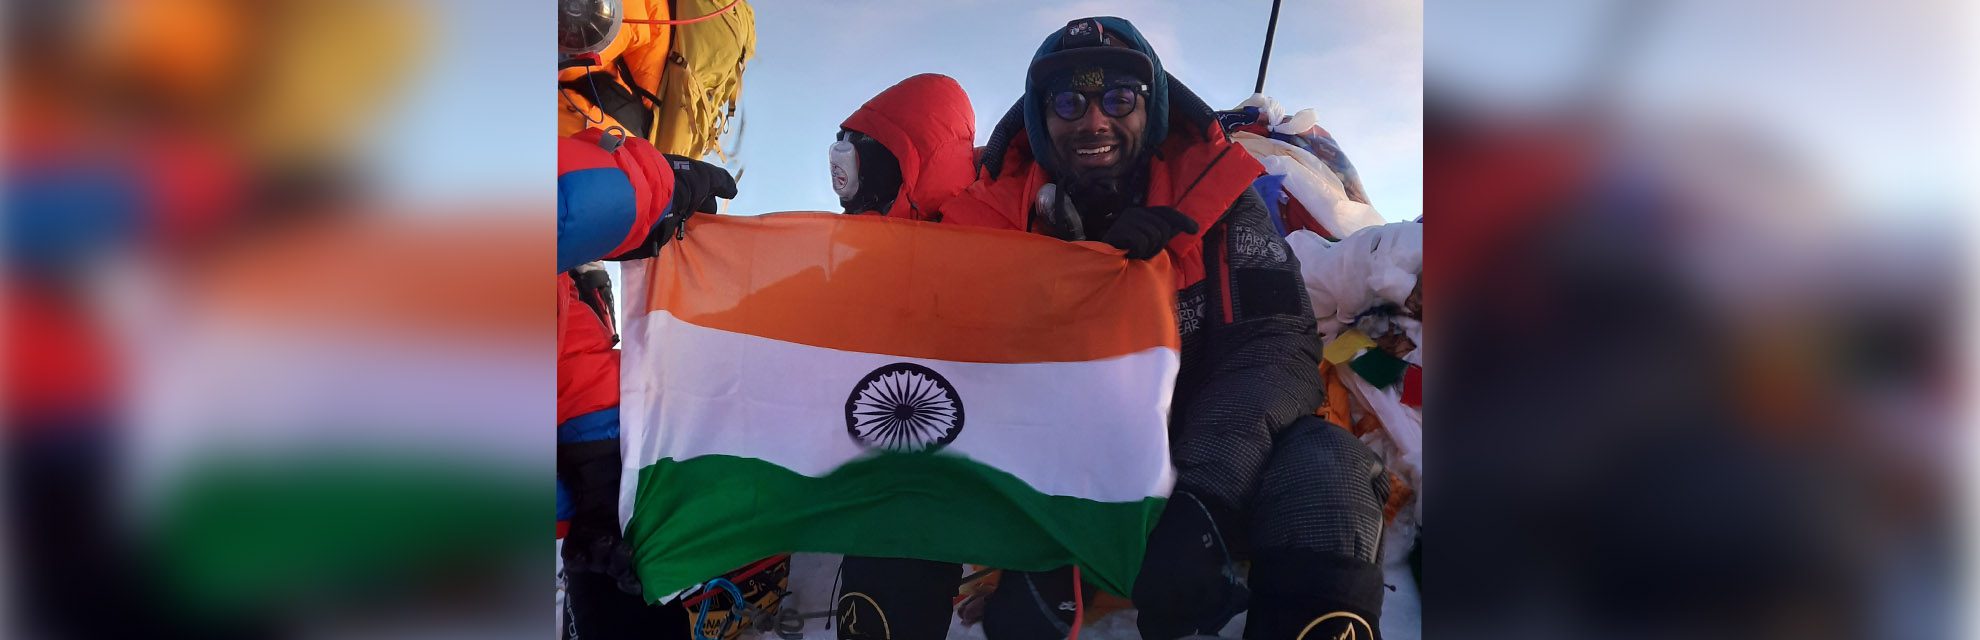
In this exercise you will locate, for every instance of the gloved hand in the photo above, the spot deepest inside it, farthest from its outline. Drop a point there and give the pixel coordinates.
(1143, 231)
(1187, 583)
(590, 473)
(607, 554)
(696, 186)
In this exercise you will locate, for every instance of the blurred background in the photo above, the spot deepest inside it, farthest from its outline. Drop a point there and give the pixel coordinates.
(279, 362)
(1699, 267)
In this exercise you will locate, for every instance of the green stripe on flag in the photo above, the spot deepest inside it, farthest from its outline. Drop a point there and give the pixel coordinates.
(695, 519)
(238, 535)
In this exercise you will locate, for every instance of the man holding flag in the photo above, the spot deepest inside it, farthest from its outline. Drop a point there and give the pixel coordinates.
(1105, 145)
(935, 394)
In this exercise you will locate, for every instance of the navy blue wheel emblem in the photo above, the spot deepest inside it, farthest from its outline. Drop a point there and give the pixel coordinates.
(904, 407)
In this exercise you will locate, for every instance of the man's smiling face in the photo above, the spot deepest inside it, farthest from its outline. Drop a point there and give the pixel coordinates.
(1095, 147)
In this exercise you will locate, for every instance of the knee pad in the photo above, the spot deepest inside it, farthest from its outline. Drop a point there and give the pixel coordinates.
(1321, 491)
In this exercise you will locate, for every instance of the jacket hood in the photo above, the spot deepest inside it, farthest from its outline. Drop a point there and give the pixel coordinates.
(1183, 114)
(927, 123)
(1198, 171)
(1122, 31)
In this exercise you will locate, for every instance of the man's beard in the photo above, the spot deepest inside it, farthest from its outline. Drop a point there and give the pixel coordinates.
(1104, 192)
(1098, 196)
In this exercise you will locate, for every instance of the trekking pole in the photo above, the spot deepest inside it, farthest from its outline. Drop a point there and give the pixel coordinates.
(1266, 57)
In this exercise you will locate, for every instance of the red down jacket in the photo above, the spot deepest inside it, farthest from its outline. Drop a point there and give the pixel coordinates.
(927, 123)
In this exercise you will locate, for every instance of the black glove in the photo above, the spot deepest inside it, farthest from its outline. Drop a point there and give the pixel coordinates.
(594, 544)
(1142, 231)
(1188, 582)
(607, 555)
(696, 186)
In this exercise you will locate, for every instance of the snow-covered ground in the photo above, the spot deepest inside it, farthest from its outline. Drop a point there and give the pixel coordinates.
(811, 587)
(812, 578)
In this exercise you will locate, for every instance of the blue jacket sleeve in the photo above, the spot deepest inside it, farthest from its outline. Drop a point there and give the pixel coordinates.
(607, 200)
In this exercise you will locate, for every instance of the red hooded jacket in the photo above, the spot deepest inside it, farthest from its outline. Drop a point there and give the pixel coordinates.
(608, 199)
(927, 123)
(1250, 353)
(607, 202)
(1197, 172)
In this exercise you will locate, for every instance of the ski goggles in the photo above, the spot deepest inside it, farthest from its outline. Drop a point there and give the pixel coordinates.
(1117, 102)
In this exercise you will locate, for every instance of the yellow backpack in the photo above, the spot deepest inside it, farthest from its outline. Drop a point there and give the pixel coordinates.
(673, 75)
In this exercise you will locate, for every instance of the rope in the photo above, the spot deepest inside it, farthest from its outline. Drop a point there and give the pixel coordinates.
(725, 9)
(565, 93)
(1079, 606)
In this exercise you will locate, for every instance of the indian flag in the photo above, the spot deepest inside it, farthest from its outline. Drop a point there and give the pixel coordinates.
(870, 386)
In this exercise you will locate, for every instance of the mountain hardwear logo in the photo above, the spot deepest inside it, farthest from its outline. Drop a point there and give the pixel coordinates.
(904, 407)
(1252, 244)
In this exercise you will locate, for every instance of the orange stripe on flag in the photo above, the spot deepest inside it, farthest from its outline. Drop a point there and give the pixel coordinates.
(914, 289)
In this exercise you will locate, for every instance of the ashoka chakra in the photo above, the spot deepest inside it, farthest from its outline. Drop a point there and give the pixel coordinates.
(904, 407)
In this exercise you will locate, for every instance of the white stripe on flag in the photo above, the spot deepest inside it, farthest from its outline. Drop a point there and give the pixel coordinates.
(1095, 430)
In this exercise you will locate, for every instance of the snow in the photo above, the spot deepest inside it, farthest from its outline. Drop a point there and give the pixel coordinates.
(812, 582)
